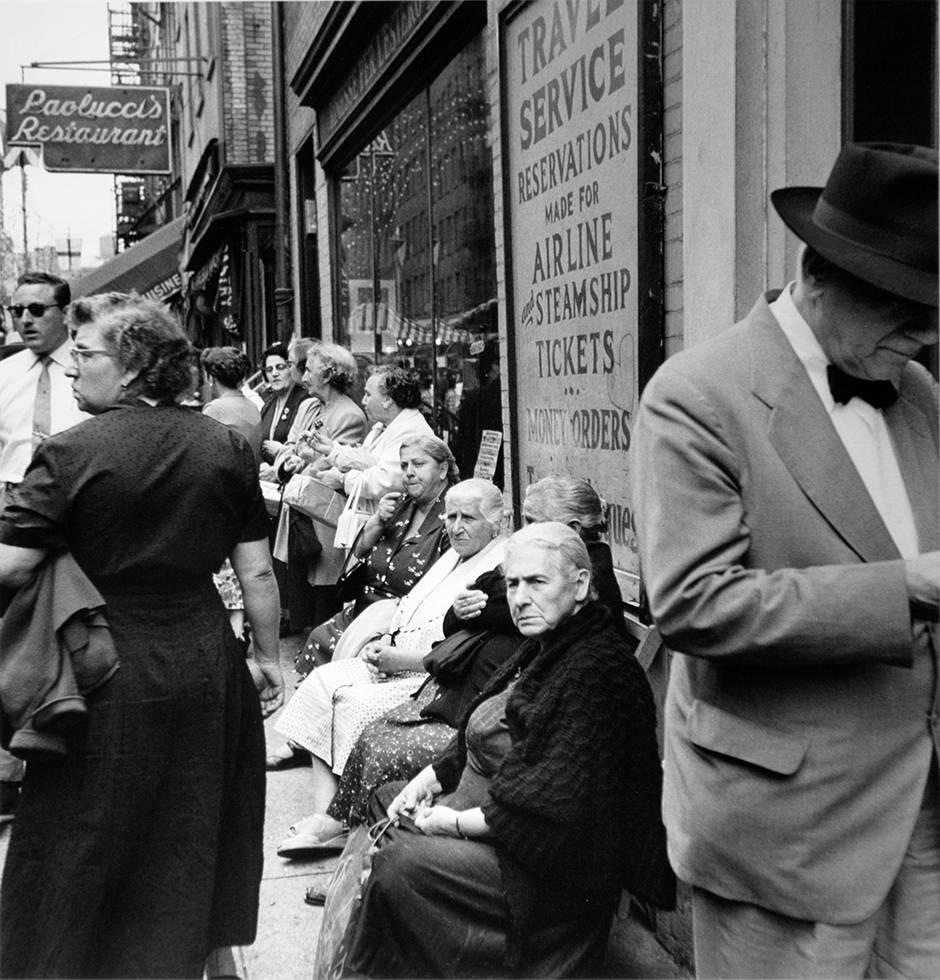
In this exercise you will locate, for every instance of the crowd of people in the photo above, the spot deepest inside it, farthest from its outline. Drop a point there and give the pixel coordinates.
(471, 694)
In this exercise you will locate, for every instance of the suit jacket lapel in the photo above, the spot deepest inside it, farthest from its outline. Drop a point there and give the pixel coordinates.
(809, 446)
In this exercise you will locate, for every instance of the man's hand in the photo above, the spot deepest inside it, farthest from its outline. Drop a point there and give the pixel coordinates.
(923, 585)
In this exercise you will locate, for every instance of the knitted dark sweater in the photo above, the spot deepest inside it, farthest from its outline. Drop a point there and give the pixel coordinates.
(577, 799)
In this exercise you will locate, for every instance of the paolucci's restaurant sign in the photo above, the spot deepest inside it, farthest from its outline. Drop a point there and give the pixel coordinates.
(570, 71)
(122, 130)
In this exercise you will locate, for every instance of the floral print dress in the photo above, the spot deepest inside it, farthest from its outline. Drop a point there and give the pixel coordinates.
(396, 563)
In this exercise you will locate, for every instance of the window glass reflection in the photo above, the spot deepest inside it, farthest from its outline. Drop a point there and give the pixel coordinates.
(416, 254)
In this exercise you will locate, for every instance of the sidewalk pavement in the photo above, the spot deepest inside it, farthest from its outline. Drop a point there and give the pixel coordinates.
(288, 928)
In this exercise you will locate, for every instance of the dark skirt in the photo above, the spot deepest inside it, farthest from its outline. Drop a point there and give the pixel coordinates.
(436, 907)
(142, 851)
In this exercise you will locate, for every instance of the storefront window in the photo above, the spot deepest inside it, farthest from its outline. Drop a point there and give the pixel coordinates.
(417, 280)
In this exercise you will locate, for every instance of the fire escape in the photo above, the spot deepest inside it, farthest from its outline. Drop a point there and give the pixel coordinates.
(142, 203)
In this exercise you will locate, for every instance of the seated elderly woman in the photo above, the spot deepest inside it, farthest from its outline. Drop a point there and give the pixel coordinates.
(398, 544)
(336, 701)
(406, 738)
(547, 804)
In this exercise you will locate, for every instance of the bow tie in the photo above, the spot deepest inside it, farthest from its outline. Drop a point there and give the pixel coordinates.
(878, 394)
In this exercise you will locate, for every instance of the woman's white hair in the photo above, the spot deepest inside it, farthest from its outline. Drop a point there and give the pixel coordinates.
(556, 537)
(488, 497)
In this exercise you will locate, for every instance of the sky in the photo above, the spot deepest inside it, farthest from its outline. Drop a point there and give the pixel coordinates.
(57, 205)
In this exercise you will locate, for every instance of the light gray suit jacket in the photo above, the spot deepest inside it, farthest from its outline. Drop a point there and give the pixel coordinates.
(802, 706)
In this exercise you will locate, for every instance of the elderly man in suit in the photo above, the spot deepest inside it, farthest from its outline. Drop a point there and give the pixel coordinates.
(787, 497)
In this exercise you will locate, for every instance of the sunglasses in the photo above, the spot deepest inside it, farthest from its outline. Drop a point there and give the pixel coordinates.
(36, 310)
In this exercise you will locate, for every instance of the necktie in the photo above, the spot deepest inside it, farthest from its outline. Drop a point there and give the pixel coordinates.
(878, 394)
(42, 405)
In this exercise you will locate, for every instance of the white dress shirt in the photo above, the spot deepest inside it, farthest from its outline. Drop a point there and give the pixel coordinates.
(860, 426)
(19, 375)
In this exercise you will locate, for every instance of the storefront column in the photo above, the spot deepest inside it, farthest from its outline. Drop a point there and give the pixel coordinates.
(708, 167)
(761, 98)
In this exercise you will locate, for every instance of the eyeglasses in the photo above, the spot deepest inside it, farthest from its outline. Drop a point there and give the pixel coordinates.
(35, 309)
(278, 367)
(81, 354)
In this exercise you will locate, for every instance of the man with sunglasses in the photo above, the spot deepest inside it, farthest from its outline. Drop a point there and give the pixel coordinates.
(35, 401)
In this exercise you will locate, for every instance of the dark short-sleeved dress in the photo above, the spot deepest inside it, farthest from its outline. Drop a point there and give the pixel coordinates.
(143, 850)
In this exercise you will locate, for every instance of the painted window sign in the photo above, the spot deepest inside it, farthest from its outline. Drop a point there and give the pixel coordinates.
(570, 72)
(92, 130)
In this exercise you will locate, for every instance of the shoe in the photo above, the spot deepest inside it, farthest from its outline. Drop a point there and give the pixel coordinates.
(315, 895)
(297, 758)
(306, 840)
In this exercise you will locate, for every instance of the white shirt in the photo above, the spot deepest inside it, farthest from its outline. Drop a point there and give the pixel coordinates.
(19, 376)
(860, 426)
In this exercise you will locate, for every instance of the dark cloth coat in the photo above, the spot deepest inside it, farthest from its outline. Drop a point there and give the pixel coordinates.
(55, 648)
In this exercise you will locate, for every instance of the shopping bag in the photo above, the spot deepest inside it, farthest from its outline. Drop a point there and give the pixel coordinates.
(313, 498)
(343, 901)
(351, 520)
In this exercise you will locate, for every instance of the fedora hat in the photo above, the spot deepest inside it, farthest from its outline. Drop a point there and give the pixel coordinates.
(875, 218)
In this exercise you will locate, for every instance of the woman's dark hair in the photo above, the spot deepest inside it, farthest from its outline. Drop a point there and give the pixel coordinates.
(275, 350)
(402, 385)
(145, 337)
(61, 290)
(228, 365)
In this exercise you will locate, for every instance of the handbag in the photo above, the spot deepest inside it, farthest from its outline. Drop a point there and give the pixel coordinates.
(313, 498)
(351, 521)
(354, 575)
(344, 899)
(460, 666)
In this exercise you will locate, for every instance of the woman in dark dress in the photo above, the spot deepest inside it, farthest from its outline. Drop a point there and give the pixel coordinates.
(142, 851)
(280, 405)
(514, 845)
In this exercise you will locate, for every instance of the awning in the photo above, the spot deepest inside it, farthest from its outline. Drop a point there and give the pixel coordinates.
(151, 267)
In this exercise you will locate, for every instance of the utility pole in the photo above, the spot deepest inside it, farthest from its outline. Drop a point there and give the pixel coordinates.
(23, 207)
